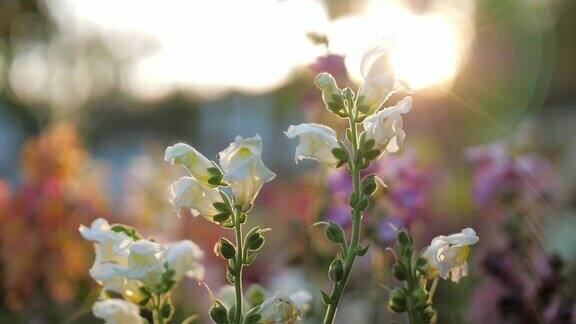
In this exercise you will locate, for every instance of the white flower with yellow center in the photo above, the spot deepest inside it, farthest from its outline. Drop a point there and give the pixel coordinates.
(183, 257)
(448, 255)
(186, 156)
(283, 308)
(145, 263)
(385, 126)
(316, 143)
(188, 193)
(244, 169)
(117, 311)
(379, 81)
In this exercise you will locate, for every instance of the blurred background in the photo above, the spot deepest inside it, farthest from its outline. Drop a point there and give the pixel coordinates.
(91, 92)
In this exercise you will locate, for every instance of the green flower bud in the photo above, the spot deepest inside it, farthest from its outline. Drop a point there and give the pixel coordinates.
(369, 185)
(419, 297)
(225, 249)
(331, 94)
(334, 233)
(255, 295)
(336, 270)
(398, 297)
(403, 238)
(362, 204)
(399, 271)
(254, 241)
(395, 307)
(218, 313)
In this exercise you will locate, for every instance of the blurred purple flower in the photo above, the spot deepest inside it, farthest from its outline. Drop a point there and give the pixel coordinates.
(409, 182)
(497, 172)
(387, 227)
(339, 214)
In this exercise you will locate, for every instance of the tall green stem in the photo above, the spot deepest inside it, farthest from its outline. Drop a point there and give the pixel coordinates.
(238, 270)
(338, 289)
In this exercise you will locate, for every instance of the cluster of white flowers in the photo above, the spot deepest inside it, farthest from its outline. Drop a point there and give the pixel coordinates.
(384, 126)
(447, 255)
(242, 168)
(125, 264)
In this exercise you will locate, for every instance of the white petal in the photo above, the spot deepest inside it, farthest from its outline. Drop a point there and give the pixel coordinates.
(316, 142)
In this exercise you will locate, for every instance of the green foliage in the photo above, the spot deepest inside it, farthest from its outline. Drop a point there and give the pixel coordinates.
(413, 297)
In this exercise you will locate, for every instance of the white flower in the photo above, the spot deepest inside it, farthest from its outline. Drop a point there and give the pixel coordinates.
(109, 243)
(244, 169)
(448, 255)
(330, 92)
(117, 311)
(379, 81)
(186, 156)
(145, 263)
(385, 126)
(183, 257)
(186, 192)
(316, 142)
(283, 308)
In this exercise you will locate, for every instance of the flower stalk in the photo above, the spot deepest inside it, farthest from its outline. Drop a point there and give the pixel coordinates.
(238, 271)
(350, 251)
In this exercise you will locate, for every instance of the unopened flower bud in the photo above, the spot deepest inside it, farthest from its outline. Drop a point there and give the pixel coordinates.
(331, 94)
(218, 313)
(398, 297)
(419, 297)
(254, 241)
(399, 271)
(226, 249)
(334, 233)
(404, 238)
(336, 270)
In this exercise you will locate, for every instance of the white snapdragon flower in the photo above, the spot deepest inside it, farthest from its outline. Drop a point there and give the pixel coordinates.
(145, 263)
(188, 157)
(183, 257)
(187, 192)
(448, 255)
(108, 243)
(244, 169)
(283, 308)
(385, 126)
(316, 142)
(117, 311)
(379, 81)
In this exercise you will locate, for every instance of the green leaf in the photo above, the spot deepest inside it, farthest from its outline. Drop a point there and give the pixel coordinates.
(250, 259)
(371, 154)
(215, 180)
(214, 171)
(222, 207)
(326, 299)
(221, 217)
(340, 154)
(367, 145)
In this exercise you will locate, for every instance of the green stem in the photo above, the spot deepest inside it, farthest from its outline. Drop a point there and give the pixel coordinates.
(238, 270)
(413, 316)
(356, 224)
(157, 313)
